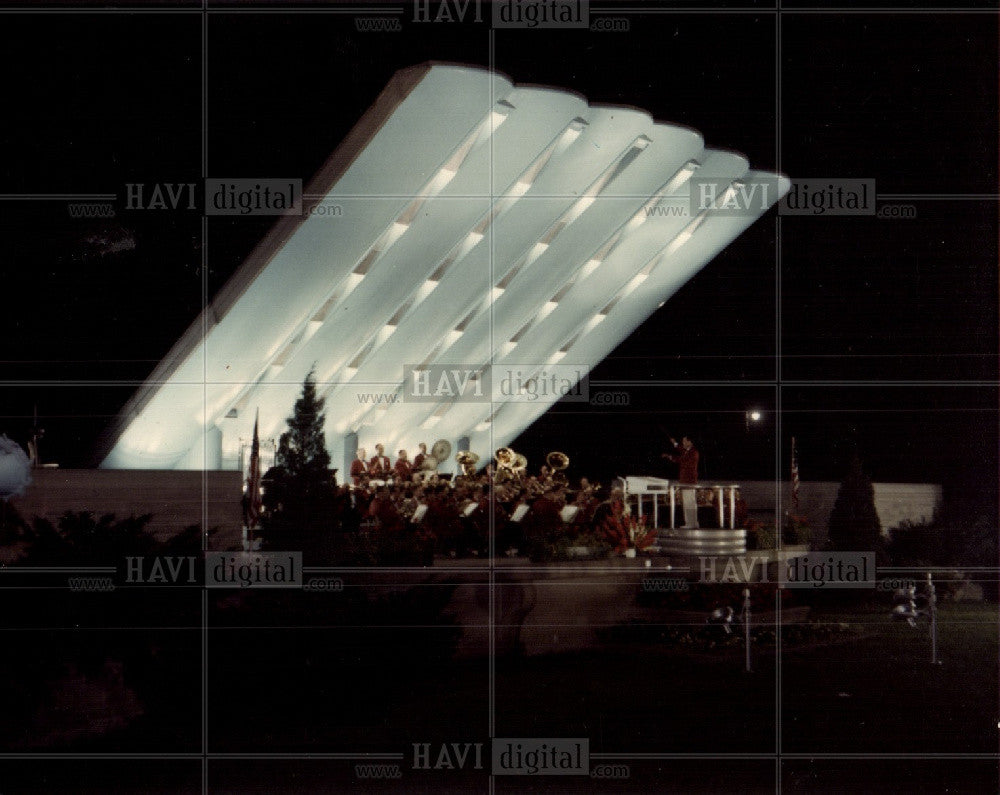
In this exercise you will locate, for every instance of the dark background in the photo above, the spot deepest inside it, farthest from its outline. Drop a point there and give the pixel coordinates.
(870, 334)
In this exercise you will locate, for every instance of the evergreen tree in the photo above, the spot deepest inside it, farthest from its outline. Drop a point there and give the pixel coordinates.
(299, 490)
(302, 453)
(854, 522)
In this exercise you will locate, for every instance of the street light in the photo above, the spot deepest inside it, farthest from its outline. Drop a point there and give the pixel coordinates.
(751, 415)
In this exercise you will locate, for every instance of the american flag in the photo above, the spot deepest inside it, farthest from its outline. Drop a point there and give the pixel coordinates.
(795, 475)
(253, 482)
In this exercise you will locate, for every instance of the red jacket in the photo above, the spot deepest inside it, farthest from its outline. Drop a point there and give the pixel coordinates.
(687, 462)
(379, 466)
(403, 469)
(358, 469)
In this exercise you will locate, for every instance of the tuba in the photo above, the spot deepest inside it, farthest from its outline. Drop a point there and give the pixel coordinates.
(505, 457)
(558, 462)
(467, 460)
(441, 450)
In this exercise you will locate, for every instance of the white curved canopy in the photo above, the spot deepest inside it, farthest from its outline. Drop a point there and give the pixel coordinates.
(465, 221)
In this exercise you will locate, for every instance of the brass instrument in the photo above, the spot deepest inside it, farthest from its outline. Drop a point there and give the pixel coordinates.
(468, 460)
(505, 457)
(441, 450)
(557, 463)
(520, 464)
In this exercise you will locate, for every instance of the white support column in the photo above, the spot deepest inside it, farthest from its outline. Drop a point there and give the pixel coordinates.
(213, 448)
(350, 452)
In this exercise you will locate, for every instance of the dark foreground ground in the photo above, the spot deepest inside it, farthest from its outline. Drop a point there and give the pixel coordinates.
(322, 682)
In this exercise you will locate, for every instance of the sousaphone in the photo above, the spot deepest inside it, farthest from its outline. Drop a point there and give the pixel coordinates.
(557, 463)
(441, 450)
(468, 460)
(505, 457)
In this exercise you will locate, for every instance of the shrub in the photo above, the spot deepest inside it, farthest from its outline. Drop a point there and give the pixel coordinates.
(761, 536)
(854, 522)
(796, 530)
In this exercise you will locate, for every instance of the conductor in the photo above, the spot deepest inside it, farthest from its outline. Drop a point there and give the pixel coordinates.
(685, 455)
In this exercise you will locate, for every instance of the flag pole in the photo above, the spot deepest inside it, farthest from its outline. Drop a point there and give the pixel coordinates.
(253, 482)
(795, 476)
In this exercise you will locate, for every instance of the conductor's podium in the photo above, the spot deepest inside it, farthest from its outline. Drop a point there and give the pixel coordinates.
(653, 495)
(703, 541)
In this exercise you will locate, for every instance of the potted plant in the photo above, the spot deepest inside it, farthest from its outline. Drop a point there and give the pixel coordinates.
(628, 533)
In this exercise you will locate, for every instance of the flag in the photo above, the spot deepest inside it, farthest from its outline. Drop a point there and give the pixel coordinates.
(253, 481)
(795, 475)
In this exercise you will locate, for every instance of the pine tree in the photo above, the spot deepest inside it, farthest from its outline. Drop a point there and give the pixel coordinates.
(302, 453)
(299, 493)
(854, 522)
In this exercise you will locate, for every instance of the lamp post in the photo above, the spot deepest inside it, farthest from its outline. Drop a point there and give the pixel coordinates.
(746, 625)
(726, 616)
(909, 612)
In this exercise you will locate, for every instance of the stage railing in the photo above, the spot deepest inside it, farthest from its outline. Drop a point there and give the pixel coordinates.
(640, 487)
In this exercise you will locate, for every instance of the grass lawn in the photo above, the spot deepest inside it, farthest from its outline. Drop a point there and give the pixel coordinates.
(880, 694)
(871, 690)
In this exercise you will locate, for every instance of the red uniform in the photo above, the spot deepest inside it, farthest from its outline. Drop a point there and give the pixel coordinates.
(358, 471)
(389, 518)
(687, 462)
(403, 469)
(379, 466)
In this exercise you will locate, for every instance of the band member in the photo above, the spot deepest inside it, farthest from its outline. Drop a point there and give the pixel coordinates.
(359, 468)
(611, 508)
(402, 467)
(379, 467)
(418, 459)
(585, 500)
(543, 520)
(686, 457)
(384, 510)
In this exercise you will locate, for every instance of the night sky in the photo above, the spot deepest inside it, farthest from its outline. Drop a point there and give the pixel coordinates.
(872, 334)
